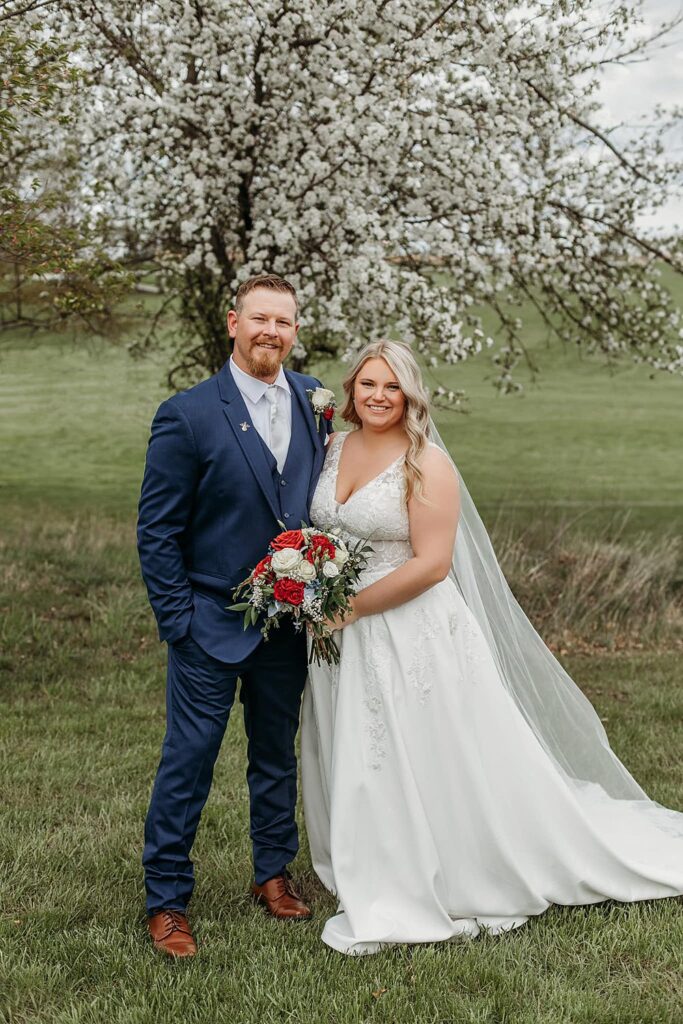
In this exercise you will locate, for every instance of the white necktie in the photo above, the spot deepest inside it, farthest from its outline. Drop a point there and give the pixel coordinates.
(279, 442)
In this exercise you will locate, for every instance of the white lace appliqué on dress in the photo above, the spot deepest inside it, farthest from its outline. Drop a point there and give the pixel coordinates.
(377, 513)
(423, 662)
(374, 671)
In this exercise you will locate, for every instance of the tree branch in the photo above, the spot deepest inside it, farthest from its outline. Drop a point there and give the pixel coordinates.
(591, 129)
(642, 243)
(26, 8)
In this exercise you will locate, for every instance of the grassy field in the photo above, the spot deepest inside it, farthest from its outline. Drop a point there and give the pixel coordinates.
(82, 717)
(81, 721)
(581, 439)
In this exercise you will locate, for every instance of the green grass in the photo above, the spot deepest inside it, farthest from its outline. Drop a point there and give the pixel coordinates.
(82, 717)
(74, 423)
(81, 722)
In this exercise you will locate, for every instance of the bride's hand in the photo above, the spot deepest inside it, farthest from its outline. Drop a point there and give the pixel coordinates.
(339, 620)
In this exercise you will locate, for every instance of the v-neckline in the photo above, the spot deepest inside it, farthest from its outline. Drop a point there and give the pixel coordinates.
(342, 504)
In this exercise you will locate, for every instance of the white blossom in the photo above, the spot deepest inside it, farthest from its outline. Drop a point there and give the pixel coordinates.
(402, 170)
(312, 607)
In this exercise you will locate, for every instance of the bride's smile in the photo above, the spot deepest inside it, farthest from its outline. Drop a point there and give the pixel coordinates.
(378, 399)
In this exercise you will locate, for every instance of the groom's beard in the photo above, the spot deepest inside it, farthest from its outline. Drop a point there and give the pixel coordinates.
(263, 364)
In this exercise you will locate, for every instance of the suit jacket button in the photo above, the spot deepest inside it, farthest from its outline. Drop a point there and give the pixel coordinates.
(286, 515)
(283, 483)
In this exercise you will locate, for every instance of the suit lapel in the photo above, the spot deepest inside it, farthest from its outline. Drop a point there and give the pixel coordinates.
(249, 441)
(306, 409)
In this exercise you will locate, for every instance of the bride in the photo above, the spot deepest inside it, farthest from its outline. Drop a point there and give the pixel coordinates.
(454, 777)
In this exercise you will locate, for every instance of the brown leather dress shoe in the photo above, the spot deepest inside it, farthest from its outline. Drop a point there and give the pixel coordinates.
(171, 933)
(281, 899)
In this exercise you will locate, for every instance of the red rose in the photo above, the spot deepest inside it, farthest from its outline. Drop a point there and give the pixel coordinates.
(328, 414)
(262, 567)
(288, 591)
(288, 539)
(321, 545)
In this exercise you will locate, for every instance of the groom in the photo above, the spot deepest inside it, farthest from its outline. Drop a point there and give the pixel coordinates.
(226, 460)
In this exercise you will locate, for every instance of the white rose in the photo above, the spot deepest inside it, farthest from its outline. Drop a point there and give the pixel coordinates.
(330, 570)
(341, 557)
(285, 561)
(306, 571)
(321, 398)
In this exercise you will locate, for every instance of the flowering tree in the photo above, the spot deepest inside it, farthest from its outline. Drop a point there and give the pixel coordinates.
(402, 164)
(52, 268)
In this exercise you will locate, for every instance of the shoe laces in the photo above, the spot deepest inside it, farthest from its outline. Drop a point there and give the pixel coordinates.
(285, 887)
(174, 922)
(289, 887)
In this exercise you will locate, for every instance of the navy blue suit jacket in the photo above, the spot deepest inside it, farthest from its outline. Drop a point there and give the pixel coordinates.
(210, 504)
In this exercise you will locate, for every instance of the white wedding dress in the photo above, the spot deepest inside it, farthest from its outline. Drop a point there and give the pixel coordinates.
(432, 810)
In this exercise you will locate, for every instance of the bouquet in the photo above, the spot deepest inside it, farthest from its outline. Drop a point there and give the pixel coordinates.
(309, 574)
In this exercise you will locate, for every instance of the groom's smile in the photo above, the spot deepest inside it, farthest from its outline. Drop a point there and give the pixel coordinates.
(263, 330)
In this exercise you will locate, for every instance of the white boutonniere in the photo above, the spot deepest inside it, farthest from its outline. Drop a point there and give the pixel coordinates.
(322, 402)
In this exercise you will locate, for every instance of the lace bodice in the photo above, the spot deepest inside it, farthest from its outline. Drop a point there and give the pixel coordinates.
(375, 512)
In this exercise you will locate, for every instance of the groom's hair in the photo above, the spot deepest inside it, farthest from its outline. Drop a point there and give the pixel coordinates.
(272, 281)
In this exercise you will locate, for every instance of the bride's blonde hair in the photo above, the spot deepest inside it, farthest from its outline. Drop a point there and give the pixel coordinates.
(401, 360)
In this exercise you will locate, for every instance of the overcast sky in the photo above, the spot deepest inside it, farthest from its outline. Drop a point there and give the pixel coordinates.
(631, 91)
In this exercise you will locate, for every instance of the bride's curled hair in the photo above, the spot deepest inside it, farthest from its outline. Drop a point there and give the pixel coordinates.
(401, 360)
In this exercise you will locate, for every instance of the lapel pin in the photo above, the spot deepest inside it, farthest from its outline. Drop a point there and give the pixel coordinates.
(244, 426)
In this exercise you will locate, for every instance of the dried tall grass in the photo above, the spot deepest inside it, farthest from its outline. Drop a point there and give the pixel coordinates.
(600, 589)
(595, 589)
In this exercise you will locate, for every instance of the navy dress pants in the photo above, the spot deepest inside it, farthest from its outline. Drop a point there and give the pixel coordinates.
(200, 692)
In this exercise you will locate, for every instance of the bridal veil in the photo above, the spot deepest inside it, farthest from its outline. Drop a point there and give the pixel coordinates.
(562, 718)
